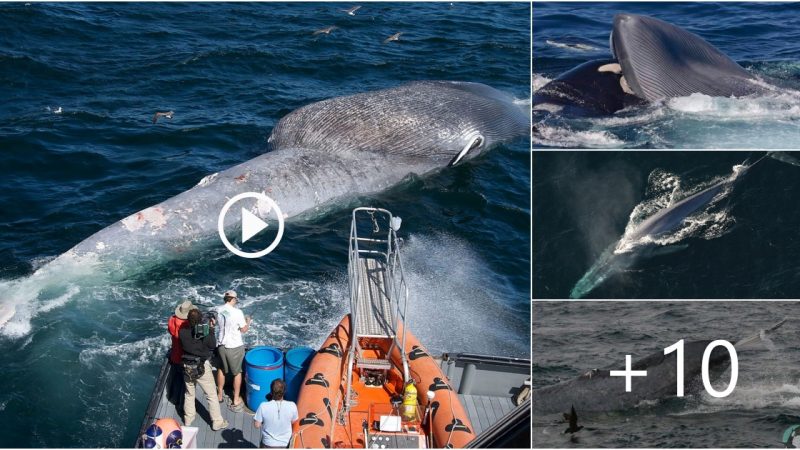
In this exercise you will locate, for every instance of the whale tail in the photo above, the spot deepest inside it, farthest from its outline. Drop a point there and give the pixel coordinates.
(760, 336)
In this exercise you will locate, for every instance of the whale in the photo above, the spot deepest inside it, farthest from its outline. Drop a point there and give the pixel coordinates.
(651, 60)
(597, 391)
(660, 60)
(319, 154)
(638, 241)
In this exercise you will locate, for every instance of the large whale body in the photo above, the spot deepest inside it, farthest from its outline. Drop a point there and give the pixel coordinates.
(652, 60)
(329, 150)
(598, 391)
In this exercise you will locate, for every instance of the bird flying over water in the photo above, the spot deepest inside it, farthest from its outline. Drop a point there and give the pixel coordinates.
(159, 114)
(352, 11)
(326, 30)
(572, 419)
(394, 37)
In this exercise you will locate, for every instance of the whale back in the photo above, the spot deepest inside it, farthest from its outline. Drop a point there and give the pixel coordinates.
(429, 119)
(660, 60)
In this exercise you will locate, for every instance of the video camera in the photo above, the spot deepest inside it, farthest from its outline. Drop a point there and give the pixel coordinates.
(202, 329)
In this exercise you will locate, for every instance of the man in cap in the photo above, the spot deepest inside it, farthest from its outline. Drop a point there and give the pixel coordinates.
(175, 323)
(232, 323)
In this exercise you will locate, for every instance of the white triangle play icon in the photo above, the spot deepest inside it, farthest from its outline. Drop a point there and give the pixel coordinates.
(251, 225)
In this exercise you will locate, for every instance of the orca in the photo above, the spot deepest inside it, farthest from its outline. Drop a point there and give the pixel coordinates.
(592, 88)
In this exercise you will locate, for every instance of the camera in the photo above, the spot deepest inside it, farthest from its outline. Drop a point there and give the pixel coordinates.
(202, 329)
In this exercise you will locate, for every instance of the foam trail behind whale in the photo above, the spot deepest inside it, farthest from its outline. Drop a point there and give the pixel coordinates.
(324, 152)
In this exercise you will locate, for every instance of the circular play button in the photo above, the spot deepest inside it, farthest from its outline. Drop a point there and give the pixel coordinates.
(252, 224)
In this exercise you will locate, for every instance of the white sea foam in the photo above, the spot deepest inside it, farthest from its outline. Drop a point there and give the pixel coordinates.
(554, 136)
(51, 286)
(775, 106)
(577, 46)
(539, 81)
(749, 397)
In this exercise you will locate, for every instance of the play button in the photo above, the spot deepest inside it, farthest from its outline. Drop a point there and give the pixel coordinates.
(251, 223)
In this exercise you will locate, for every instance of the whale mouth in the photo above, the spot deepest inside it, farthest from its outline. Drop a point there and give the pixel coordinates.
(475, 143)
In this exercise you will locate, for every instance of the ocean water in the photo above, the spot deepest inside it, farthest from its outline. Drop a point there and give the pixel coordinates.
(741, 245)
(571, 338)
(759, 36)
(81, 83)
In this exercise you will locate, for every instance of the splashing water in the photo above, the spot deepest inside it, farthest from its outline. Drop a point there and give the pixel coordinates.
(769, 120)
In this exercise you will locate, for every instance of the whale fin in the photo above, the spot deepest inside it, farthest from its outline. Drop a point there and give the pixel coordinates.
(660, 60)
(761, 336)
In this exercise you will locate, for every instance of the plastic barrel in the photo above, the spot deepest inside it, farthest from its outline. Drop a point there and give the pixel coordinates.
(261, 366)
(297, 361)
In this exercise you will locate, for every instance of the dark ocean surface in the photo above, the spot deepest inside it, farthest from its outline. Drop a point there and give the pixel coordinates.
(744, 244)
(80, 84)
(572, 338)
(761, 37)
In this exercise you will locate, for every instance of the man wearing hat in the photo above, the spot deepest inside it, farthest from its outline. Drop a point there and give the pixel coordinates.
(175, 323)
(232, 323)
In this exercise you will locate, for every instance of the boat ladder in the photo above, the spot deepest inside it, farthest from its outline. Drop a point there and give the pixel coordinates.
(378, 291)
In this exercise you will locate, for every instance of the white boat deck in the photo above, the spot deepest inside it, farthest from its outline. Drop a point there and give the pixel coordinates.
(485, 410)
(240, 432)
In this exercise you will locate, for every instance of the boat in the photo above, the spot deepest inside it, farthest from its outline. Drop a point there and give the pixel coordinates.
(372, 383)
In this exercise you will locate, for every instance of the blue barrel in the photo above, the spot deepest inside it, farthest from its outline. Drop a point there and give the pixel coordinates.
(261, 366)
(297, 361)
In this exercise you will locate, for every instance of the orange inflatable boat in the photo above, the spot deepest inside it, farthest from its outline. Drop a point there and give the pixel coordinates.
(372, 384)
(440, 422)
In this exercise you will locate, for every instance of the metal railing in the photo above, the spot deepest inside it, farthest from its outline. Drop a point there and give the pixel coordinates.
(387, 250)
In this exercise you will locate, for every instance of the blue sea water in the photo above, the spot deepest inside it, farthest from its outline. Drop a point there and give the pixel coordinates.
(760, 36)
(80, 84)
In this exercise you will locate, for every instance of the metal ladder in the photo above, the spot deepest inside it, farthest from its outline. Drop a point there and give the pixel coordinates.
(378, 290)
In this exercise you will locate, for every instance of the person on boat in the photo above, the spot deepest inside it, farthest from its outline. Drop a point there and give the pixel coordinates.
(198, 347)
(175, 383)
(232, 323)
(274, 417)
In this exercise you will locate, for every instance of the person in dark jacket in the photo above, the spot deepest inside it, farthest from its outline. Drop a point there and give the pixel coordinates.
(198, 346)
(175, 382)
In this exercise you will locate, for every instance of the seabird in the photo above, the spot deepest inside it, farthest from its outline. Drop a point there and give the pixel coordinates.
(326, 30)
(394, 37)
(352, 11)
(159, 114)
(572, 418)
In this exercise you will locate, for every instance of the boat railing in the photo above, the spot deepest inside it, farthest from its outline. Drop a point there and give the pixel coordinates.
(384, 248)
